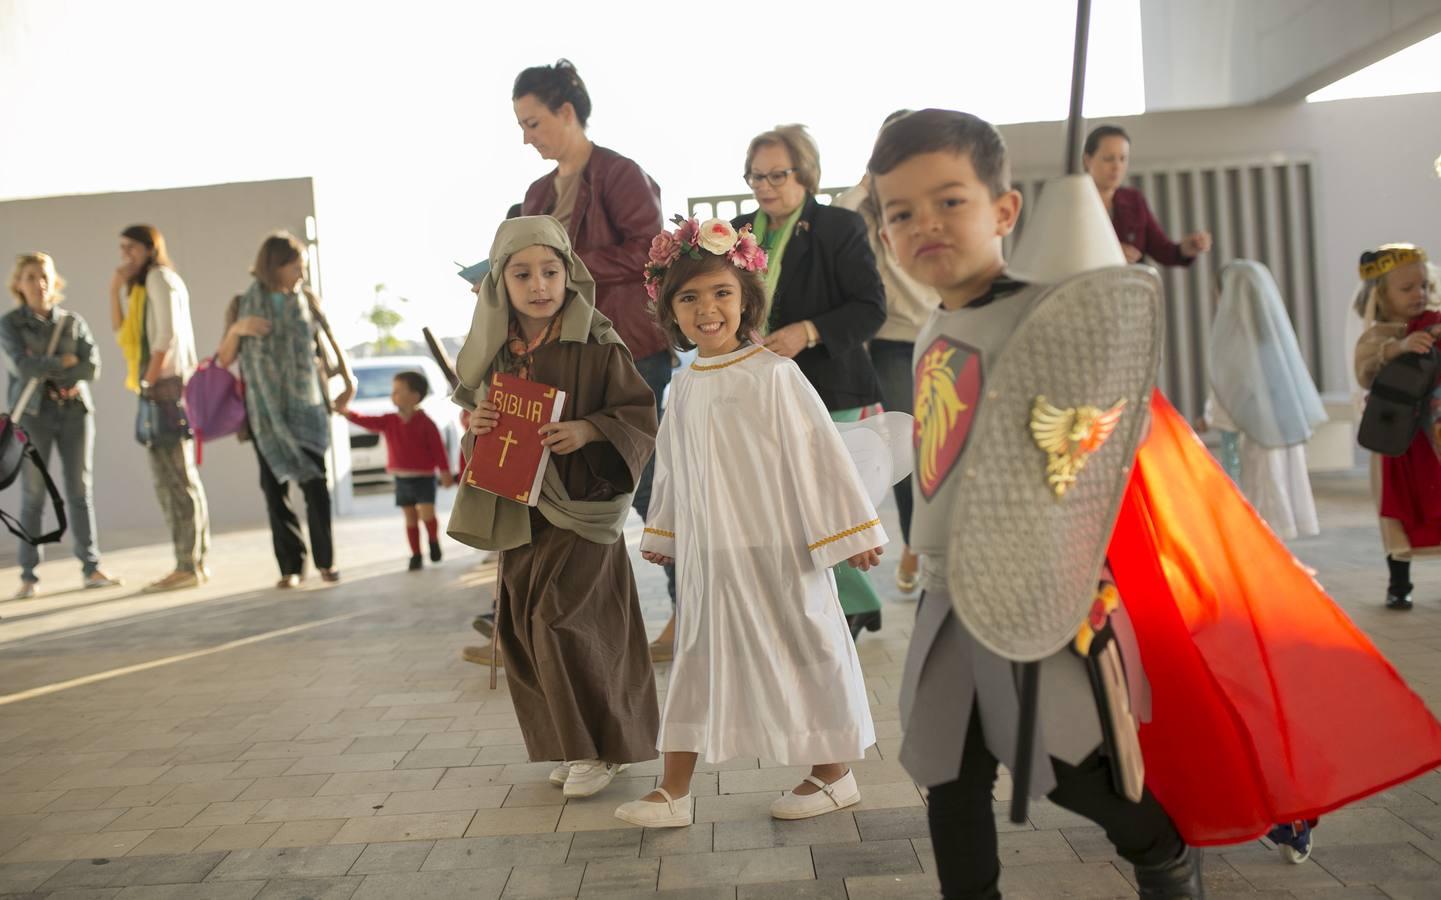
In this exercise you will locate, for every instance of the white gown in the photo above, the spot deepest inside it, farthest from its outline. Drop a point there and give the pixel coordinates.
(756, 498)
(1274, 479)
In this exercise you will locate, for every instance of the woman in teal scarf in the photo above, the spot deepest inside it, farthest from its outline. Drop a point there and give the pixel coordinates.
(287, 356)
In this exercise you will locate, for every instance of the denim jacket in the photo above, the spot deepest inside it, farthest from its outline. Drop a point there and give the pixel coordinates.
(25, 338)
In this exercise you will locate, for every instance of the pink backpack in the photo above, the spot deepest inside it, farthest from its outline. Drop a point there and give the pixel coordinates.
(215, 401)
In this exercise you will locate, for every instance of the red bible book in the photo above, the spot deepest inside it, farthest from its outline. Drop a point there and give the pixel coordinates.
(510, 461)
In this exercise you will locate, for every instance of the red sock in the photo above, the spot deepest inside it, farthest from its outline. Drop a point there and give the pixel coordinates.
(430, 526)
(412, 534)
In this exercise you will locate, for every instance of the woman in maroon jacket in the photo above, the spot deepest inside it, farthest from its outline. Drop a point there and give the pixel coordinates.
(610, 208)
(1107, 156)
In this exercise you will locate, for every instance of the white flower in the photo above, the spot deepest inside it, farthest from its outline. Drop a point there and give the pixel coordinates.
(717, 236)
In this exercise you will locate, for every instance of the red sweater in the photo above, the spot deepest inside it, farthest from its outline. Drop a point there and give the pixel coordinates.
(1135, 225)
(411, 448)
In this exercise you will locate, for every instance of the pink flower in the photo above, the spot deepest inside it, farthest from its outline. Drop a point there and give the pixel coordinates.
(687, 233)
(748, 254)
(652, 288)
(664, 248)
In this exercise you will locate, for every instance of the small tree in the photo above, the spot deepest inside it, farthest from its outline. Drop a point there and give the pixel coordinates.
(385, 319)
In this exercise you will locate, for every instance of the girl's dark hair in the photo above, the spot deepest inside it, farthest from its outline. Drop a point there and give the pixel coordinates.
(1100, 133)
(149, 237)
(753, 295)
(555, 86)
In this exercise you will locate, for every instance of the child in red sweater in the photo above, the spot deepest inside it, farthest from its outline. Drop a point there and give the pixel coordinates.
(414, 453)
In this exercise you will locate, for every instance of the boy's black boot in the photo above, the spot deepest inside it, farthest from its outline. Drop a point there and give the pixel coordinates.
(415, 563)
(435, 551)
(1179, 879)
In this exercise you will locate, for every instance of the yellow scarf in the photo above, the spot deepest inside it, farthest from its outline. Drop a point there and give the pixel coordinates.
(131, 337)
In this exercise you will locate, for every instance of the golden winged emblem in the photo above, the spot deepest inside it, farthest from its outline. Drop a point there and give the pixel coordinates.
(938, 408)
(1069, 437)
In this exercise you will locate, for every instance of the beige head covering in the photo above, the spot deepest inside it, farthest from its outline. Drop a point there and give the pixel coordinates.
(484, 520)
(491, 323)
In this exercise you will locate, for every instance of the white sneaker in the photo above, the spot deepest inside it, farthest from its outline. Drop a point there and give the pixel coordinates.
(673, 813)
(26, 591)
(559, 774)
(589, 777)
(838, 794)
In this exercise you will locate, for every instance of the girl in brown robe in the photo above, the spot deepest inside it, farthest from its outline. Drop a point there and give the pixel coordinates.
(568, 619)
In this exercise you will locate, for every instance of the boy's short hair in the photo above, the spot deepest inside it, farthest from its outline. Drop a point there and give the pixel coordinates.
(753, 295)
(945, 130)
(416, 382)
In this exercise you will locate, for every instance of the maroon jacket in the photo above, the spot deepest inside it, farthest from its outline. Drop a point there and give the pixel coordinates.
(1135, 225)
(617, 213)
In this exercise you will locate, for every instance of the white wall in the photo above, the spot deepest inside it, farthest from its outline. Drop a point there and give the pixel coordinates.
(1374, 177)
(213, 233)
(1238, 52)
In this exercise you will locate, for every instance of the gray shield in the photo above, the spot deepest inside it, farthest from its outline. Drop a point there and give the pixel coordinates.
(1031, 527)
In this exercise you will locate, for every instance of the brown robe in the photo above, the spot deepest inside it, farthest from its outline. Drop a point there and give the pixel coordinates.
(569, 621)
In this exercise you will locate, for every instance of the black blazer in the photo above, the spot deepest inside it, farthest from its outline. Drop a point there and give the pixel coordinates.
(829, 276)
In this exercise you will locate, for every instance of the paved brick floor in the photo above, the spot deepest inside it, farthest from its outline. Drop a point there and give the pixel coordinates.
(239, 742)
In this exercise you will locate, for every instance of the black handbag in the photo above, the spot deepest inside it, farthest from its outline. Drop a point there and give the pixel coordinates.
(1397, 403)
(161, 420)
(15, 448)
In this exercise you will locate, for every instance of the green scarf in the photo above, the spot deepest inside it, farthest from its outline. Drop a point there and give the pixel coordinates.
(774, 243)
(481, 519)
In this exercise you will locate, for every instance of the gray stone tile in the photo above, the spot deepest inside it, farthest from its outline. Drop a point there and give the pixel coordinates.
(623, 877)
(176, 869)
(502, 850)
(80, 894)
(19, 877)
(544, 882)
(1375, 863)
(1400, 890)
(1365, 826)
(892, 824)
(1029, 848)
(473, 884)
(1264, 868)
(870, 858)
(748, 834)
(675, 841)
(241, 890)
(833, 889)
(613, 843)
(736, 867)
(706, 893)
(1092, 845)
(1427, 820)
(920, 886)
(287, 862)
(400, 856)
(311, 888)
(1083, 881)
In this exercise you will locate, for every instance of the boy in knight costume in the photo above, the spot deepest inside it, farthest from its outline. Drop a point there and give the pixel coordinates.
(1224, 757)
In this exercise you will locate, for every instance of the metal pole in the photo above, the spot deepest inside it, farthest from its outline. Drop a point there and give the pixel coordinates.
(1025, 741)
(1074, 121)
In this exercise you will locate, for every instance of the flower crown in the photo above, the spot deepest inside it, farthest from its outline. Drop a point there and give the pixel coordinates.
(716, 236)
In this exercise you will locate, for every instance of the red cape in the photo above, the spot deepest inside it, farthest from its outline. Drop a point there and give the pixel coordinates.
(1268, 703)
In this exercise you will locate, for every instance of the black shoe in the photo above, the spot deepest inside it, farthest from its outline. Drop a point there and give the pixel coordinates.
(867, 621)
(415, 563)
(435, 551)
(485, 624)
(1398, 601)
(1179, 879)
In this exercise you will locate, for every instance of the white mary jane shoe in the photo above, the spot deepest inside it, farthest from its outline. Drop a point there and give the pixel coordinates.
(838, 794)
(672, 813)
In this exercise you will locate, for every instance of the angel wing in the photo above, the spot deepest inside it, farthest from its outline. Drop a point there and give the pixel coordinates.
(1051, 427)
(1069, 437)
(1101, 426)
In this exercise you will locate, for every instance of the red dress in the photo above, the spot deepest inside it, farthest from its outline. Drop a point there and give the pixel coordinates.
(1268, 703)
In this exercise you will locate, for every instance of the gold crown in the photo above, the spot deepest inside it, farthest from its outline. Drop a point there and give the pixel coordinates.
(1375, 263)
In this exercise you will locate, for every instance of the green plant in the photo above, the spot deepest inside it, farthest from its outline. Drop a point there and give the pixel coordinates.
(385, 319)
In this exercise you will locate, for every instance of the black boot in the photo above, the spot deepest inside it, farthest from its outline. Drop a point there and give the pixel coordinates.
(1398, 601)
(1179, 879)
(866, 621)
(435, 551)
(415, 563)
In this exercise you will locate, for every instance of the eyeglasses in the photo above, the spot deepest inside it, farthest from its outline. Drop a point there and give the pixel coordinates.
(776, 179)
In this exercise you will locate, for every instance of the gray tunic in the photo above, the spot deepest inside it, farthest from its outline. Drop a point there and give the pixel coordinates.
(946, 670)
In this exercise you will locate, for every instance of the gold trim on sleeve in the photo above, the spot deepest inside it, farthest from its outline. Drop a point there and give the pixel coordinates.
(844, 534)
(700, 368)
(659, 533)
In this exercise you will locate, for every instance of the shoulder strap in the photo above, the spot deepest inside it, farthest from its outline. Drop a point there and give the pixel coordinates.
(19, 530)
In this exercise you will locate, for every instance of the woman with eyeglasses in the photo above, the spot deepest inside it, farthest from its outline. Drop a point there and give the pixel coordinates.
(825, 298)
